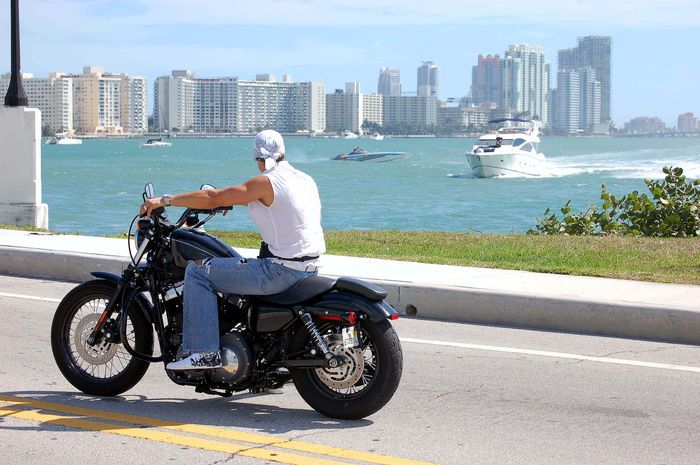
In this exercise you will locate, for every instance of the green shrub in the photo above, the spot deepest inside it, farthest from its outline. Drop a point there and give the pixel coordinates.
(673, 210)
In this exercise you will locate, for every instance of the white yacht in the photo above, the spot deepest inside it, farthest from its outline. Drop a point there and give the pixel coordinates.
(512, 150)
(155, 143)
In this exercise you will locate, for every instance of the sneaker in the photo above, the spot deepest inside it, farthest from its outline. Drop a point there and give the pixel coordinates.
(197, 361)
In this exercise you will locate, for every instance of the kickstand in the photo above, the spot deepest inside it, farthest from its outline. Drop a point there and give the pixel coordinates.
(208, 390)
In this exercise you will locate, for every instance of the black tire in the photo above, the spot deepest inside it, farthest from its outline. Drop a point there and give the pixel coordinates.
(103, 370)
(359, 400)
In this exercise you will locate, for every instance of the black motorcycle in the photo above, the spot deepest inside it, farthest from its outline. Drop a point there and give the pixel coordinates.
(331, 337)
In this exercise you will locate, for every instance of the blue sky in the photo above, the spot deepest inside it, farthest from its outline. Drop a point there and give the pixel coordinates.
(656, 70)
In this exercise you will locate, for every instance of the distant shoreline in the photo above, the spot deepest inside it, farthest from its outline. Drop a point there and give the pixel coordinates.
(201, 135)
(218, 135)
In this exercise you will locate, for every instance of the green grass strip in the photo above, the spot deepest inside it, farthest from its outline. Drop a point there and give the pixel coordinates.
(667, 260)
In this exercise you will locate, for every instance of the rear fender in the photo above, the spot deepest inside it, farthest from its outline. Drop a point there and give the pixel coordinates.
(339, 303)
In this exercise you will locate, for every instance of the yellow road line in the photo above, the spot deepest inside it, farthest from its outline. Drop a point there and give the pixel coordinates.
(210, 431)
(168, 438)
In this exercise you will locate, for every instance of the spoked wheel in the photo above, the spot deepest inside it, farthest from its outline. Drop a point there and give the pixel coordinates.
(106, 368)
(366, 380)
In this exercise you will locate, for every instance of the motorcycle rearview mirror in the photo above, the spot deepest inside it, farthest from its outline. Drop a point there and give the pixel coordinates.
(207, 187)
(148, 191)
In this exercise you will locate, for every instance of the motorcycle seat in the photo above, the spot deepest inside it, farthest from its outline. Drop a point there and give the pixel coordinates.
(315, 285)
(303, 290)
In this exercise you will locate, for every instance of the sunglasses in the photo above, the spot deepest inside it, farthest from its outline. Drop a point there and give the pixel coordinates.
(259, 159)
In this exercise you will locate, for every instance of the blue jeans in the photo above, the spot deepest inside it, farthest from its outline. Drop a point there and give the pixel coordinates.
(227, 276)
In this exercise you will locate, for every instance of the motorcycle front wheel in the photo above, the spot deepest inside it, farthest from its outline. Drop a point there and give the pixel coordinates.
(364, 383)
(105, 369)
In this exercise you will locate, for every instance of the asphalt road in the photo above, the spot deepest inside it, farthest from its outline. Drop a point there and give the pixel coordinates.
(469, 395)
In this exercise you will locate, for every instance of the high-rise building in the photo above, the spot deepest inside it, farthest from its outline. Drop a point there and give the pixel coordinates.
(53, 96)
(173, 103)
(589, 100)
(229, 104)
(428, 80)
(487, 81)
(134, 104)
(526, 82)
(389, 81)
(592, 52)
(591, 60)
(567, 104)
(568, 59)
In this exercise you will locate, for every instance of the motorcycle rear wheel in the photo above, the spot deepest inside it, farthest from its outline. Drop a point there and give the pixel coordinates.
(105, 369)
(364, 384)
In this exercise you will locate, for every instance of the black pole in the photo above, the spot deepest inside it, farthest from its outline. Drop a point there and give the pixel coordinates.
(16, 97)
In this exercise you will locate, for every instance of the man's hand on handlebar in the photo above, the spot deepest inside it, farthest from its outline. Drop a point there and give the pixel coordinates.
(151, 204)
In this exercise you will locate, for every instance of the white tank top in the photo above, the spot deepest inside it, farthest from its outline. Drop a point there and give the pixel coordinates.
(291, 225)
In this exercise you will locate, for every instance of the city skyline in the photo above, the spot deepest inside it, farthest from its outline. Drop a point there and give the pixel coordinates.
(651, 73)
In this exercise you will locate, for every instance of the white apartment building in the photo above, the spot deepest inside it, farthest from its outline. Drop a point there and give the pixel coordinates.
(214, 106)
(283, 106)
(173, 103)
(231, 105)
(350, 109)
(53, 96)
(311, 106)
(133, 104)
(526, 81)
(413, 110)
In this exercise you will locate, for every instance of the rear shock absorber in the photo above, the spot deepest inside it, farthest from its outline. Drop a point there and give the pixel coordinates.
(331, 360)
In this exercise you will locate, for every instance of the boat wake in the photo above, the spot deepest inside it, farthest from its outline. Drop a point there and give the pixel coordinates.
(620, 169)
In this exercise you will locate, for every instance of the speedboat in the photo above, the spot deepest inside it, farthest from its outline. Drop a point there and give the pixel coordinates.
(358, 154)
(155, 143)
(350, 135)
(512, 150)
(63, 140)
(376, 136)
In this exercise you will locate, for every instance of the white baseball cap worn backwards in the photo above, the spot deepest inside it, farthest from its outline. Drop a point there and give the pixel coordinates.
(268, 144)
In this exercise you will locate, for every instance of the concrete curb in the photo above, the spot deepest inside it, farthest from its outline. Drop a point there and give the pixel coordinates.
(464, 305)
(592, 315)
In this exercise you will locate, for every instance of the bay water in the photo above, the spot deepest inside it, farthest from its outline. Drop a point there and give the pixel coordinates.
(95, 188)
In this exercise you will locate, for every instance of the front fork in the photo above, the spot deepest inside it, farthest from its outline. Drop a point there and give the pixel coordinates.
(127, 276)
(97, 332)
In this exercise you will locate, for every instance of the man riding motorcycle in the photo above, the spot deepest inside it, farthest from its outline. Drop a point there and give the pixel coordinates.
(284, 204)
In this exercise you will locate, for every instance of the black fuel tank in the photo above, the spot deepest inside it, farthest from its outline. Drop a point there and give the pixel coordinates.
(190, 244)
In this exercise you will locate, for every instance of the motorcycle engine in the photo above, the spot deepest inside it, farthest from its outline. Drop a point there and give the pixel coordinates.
(236, 358)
